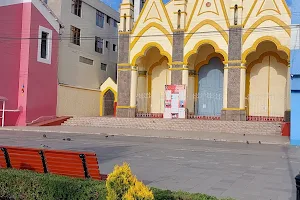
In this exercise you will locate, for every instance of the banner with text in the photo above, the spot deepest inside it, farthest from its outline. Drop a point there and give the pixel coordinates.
(175, 101)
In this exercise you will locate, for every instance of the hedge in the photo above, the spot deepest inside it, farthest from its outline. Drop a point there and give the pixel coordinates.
(27, 185)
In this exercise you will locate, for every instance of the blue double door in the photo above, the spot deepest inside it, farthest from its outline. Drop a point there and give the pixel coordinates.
(210, 88)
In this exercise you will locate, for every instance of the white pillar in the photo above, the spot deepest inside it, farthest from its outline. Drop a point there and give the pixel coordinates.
(225, 86)
(133, 87)
(242, 88)
(3, 112)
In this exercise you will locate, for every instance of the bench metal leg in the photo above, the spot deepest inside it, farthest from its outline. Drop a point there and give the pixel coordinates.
(41, 152)
(7, 160)
(86, 173)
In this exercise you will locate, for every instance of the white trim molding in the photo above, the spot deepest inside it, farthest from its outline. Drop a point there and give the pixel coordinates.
(48, 58)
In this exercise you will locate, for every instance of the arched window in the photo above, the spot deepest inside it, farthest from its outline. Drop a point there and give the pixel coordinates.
(235, 14)
(124, 25)
(178, 19)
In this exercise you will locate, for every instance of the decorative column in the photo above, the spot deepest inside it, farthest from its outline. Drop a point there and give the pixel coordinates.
(127, 75)
(127, 80)
(234, 79)
(235, 71)
(177, 58)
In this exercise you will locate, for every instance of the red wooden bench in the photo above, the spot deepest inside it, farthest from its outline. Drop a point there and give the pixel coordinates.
(67, 163)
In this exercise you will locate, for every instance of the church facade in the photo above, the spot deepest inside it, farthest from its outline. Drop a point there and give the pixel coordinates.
(232, 55)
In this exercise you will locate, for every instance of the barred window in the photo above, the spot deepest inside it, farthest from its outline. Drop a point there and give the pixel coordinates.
(99, 18)
(76, 7)
(75, 35)
(98, 44)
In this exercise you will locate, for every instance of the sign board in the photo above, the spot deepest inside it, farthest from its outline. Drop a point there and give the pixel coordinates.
(175, 101)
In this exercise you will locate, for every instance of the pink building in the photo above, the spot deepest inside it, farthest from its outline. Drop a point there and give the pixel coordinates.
(29, 34)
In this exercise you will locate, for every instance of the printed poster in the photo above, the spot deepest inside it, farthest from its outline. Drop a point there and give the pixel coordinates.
(175, 102)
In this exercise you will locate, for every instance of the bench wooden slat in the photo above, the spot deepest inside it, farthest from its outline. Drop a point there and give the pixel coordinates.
(67, 163)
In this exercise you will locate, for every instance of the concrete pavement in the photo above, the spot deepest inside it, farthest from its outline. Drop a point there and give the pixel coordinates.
(208, 136)
(224, 169)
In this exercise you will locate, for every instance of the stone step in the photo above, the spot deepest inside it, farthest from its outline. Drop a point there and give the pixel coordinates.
(260, 128)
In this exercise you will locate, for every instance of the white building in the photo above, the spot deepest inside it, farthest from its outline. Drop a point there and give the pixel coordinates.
(87, 54)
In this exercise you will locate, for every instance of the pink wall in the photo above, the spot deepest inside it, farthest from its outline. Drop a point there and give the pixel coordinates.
(20, 68)
(11, 25)
(42, 78)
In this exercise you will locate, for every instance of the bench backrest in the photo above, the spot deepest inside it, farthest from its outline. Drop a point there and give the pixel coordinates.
(68, 163)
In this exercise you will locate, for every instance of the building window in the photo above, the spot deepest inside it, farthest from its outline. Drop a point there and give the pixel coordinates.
(86, 60)
(108, 20)
(107, 44)
(103, 66)
(114, 47)
(98, 45)
(76, 7)
(115, 24)
(44, 45)
(99, 18)
(75, 35)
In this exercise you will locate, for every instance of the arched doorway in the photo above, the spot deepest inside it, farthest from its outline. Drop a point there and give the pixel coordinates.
(207, 90)
(154, 74)
(159, 79)
(267, 82)
(210, 88)
(267, 79)
(108, 103)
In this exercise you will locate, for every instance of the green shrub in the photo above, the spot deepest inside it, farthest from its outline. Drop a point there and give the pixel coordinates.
(28, 185)
(119, 182)
(139, 192)
(169, 195)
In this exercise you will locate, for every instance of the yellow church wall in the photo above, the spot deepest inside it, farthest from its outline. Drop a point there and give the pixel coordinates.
(257, 10)
(145, 43)
(209, 25)
(280, 37)
(215, 39)
(216, 13)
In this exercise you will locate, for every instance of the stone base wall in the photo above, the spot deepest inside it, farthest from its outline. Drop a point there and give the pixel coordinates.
(233, 115)
(126, 112)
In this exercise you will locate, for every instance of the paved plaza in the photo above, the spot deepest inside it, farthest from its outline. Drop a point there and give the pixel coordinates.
(239, 170)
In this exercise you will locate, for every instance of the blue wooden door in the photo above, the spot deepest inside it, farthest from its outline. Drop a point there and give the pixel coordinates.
(210, 88)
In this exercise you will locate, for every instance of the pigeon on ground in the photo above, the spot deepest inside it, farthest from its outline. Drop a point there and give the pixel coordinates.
(244, 134)
(106, 136)
(247, 142)
(68, 139)
(44, 136)
(259, 142)
(44, 146)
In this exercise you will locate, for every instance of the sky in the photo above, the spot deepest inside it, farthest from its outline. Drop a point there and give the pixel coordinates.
(115, 3)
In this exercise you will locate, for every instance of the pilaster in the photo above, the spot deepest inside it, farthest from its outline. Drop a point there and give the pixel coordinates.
(177, 58)
(127, 78)
(234, 79)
